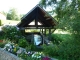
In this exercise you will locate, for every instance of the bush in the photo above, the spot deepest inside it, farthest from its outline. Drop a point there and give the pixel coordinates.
(58, 38)
(50, 50)
(26, 57)
(2, 45)
(11, 33)
(66, 50)
(69, 50)
(36, 48)
(23, 43)
(2, 35)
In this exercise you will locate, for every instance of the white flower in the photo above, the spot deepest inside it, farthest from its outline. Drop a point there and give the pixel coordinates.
(36, 55)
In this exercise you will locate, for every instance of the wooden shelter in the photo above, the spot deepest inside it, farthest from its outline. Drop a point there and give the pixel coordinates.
(42, 20)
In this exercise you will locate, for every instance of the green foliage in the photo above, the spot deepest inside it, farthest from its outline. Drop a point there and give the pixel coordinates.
(11, 33)
(12, 14)
(15, 49)
(58, 38)
(2, 45)
(32, 47)
(68, 17)
(26, 57)
(66, 50)
(46, 3)
(1, 35)
(23, 43)
(67, 13)
(50, 50)
(69, 50)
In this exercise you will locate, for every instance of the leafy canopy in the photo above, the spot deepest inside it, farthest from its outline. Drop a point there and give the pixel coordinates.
(13, 14)
(67, 13)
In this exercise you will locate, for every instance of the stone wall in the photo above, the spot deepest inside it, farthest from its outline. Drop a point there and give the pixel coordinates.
(4, 55)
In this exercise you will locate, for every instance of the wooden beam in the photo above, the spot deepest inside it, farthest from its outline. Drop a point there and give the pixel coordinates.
(43, 18)
(36, 18)
(26, 21)
(38, 27)
(43, 21)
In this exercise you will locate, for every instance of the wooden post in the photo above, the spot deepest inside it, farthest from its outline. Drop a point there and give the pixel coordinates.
(49, 34)
(45, 32)
(42, 36)
(32, 40)
(42, 30)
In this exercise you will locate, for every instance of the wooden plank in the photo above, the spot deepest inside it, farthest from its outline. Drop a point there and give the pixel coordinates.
(35, 28)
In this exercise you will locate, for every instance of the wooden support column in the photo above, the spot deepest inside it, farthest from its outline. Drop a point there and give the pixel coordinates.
(32, 40)
(45, 32)
(49, 34)
(42, 30)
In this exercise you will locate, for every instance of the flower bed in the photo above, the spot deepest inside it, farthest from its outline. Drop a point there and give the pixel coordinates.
(21, 52)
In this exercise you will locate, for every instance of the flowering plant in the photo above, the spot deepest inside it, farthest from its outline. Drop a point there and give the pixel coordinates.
(11, 47)
(37, 55)
(11, 32)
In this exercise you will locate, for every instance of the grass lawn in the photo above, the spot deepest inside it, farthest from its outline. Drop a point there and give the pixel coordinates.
(56, 38)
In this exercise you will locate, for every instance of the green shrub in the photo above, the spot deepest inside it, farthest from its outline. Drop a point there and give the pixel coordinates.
(2, 35)
(50, 50)
(26, 57)
(2, 45)
(33, 47)
(36, 48)
(11, 33)
(58, 38)
(23, 43)
(69, 50)
(66, 50)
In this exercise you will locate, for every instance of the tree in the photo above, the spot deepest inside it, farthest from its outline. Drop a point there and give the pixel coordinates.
(12, 14)
(68, 17)
(67, 13)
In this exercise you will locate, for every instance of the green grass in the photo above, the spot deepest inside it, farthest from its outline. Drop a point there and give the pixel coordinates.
(57, 38)
(7, 22)
(64, 36)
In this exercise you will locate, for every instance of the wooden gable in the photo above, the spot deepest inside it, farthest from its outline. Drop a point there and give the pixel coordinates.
(37, 15)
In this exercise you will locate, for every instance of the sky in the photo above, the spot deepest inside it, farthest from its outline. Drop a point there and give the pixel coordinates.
(22, 6)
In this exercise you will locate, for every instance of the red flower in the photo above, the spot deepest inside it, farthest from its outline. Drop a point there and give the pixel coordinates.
(46, 58)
